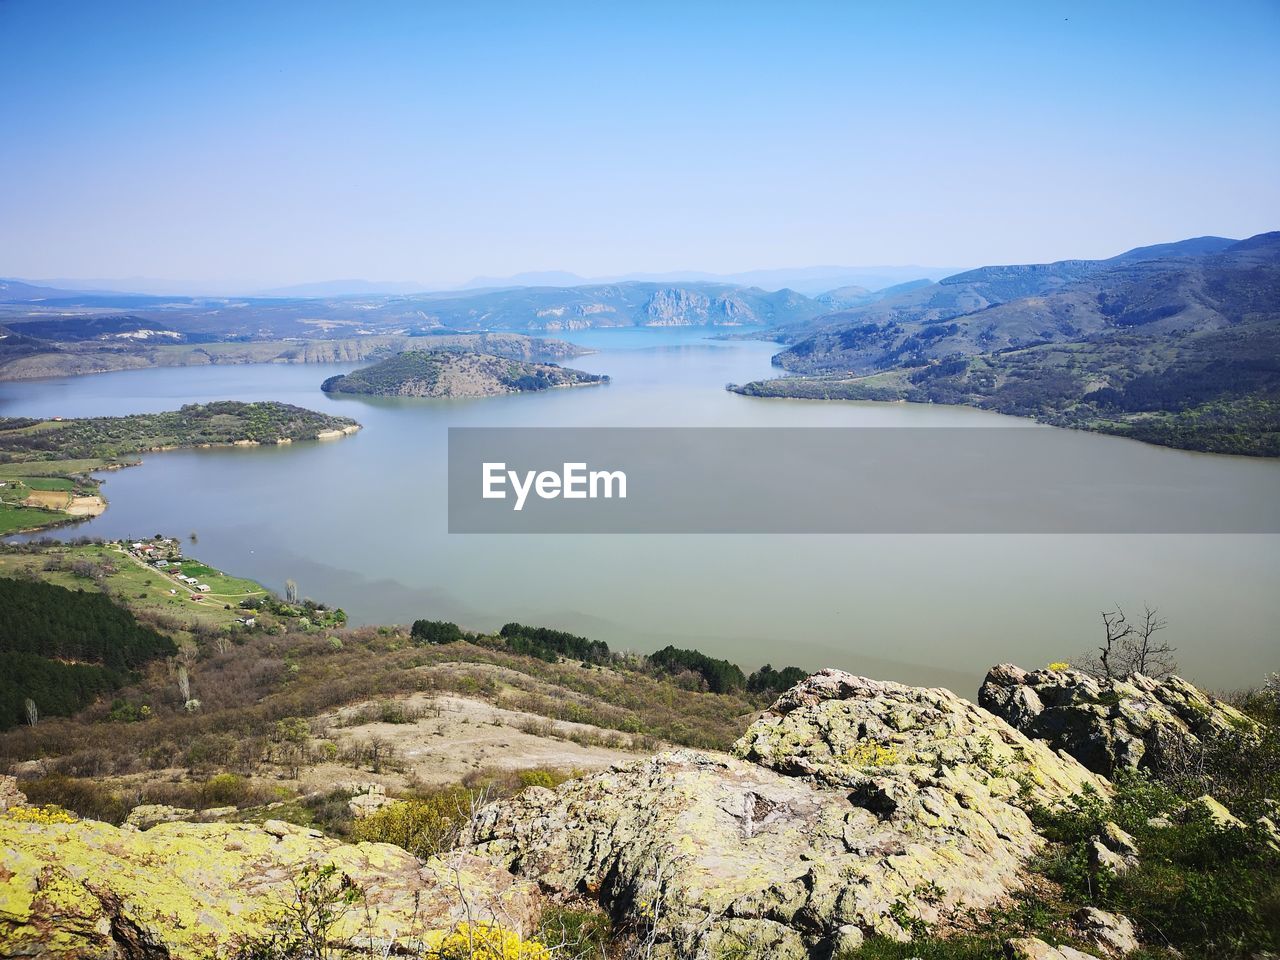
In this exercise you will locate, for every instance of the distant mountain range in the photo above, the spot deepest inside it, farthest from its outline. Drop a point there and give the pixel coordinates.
(1177, 343)
(62, 314)
(807, 280)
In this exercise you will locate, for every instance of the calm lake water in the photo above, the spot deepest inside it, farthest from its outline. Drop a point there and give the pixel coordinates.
(361, 523)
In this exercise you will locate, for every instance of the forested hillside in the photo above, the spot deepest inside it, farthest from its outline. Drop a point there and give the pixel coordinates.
(61, 649)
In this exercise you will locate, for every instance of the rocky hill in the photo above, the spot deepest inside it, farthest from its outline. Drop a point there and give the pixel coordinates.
(87, 890)
(840, 806)
(75, 346)
(455, 373)
(1179, 350)
(1112, 724)
(915, 306)
(853, 818)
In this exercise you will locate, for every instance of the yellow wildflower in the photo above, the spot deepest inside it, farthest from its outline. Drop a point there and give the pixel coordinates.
(49, 813)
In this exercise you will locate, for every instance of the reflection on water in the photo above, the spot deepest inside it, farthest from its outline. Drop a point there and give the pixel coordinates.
(361, 522)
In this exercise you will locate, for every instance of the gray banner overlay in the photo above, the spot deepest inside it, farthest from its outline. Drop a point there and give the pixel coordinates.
(843, 480)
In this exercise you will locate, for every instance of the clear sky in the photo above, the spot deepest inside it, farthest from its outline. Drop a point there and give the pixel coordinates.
(261, 143)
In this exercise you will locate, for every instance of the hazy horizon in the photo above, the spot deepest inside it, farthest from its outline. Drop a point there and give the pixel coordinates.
(243, 147)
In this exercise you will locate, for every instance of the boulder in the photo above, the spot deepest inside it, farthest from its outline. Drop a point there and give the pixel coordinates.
(1269, 831)
(1033, 948)
(1112, 724)
(10, 795)
(1110, 934)
(1103, 858)
(146, 815)
(88, 890)
(368, 799)
(852, 804)
(1206, 807)
(1117, 840)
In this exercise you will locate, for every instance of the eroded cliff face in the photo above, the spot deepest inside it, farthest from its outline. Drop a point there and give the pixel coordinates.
(1114, 724)
(852, 807)
(88, 890)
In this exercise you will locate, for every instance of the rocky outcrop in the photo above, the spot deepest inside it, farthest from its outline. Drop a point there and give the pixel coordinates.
(1033, 948)
(1108, 933)
(88, 890)
(10, 795)
(853, 807)
(367, 799)
(1114, 724)
(147, 815)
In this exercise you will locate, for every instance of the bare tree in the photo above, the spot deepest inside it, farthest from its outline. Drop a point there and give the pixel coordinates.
(33, 715)
(184, 683)
(1128, 648)
(290, 591)
(1146, 653)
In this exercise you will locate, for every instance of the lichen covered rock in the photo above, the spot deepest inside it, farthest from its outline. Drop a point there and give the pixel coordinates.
(192, 890)
(1108, 933)
(1033, 948)
(852, 805)
(1110, 725)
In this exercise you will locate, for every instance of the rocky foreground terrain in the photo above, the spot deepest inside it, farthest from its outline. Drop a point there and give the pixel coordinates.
(851, 809)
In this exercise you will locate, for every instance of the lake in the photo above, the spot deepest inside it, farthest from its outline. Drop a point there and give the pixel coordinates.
(361, 523)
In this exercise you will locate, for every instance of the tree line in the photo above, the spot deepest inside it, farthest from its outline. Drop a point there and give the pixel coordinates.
(718, 676)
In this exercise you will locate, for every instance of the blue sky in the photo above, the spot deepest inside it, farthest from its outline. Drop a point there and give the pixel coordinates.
(247, 144)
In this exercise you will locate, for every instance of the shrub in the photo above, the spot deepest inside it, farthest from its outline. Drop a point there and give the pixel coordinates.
(1200, 887)
(91, 800)
(425, 827)
(575, 933)
(304, 929)
(479, 941)
(224, 790)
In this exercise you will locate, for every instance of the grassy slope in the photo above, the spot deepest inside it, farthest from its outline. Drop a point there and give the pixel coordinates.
(143, 590)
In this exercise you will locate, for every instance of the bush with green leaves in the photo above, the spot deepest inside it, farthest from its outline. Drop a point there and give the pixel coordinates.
(1200, 887)
(425, 826)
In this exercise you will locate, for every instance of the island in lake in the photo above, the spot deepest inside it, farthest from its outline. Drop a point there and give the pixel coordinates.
(454, 373)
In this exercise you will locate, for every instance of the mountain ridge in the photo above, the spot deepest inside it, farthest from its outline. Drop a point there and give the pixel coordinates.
(1178, 350)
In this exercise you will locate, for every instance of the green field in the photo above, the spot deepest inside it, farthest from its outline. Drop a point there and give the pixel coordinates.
(141, 588)
(38, 468)
(14, 518)
(220, 584)
(50, 483)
